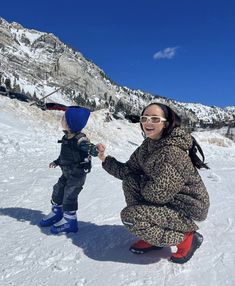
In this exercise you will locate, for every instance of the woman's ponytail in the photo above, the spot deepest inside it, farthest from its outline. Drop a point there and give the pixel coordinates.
(197, 162)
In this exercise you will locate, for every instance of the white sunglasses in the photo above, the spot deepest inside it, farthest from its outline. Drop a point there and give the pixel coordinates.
(152, 119)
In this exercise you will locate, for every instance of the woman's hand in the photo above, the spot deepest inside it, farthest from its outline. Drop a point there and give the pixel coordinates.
(101, 149)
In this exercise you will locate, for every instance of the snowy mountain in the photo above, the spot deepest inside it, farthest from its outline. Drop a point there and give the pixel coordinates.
(37, 63)
(98, 254)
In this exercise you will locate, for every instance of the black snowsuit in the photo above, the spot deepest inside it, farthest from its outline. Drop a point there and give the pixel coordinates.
(75, 163)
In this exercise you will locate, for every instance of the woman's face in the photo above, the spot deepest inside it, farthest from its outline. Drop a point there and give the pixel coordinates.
(151, 127)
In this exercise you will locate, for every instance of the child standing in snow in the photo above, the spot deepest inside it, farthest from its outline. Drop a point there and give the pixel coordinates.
(75, 163)
(164, 192)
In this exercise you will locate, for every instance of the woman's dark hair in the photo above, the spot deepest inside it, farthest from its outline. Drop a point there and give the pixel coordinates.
(173, 121)
(197, 162)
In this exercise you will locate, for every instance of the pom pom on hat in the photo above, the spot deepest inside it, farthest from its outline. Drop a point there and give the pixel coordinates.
(77, 118)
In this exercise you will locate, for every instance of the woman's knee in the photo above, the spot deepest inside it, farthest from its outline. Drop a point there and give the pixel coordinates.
(130, 215)
(126, 216)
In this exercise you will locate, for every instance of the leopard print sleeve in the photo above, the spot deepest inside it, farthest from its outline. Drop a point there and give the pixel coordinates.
(114, 167)
(121, 170)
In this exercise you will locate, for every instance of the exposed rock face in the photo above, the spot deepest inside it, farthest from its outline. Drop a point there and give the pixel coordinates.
(38, 63)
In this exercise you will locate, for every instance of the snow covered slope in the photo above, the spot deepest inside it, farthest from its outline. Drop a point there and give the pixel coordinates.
(38, 63)
(98, 254)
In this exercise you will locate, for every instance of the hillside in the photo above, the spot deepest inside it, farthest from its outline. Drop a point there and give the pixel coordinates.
(98, 254)
(38, 63)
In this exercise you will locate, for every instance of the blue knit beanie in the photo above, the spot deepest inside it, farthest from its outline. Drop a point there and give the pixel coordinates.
(77, 118)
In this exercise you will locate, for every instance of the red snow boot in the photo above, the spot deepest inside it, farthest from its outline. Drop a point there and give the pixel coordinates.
(186, 249)
(141, 247)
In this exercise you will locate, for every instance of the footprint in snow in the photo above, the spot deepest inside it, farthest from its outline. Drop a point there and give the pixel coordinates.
(214, 177)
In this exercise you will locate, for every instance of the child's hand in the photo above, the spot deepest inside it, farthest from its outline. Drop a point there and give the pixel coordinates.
(53, 165)
(101, 149)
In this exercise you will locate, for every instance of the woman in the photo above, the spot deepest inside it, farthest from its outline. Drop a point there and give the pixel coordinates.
(164, 192)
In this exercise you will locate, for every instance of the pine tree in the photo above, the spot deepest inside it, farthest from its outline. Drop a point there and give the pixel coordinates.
(8, 83)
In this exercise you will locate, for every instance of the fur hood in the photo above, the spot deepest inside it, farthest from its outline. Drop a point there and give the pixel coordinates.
(178, 137)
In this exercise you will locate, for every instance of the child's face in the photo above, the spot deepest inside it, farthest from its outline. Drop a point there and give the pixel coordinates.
(64, 123)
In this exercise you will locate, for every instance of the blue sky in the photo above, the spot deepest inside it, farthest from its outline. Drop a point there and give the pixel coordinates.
(180, 49)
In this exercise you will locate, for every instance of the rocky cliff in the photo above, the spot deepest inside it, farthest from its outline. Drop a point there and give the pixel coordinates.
(37, 63)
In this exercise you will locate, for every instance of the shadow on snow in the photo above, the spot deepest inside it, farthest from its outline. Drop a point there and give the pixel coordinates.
(98, 242)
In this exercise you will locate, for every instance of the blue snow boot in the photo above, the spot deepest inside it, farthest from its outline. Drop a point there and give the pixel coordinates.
(67, 224)
(54, 216)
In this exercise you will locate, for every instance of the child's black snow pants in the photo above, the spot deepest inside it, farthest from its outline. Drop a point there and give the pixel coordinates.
(68, 187)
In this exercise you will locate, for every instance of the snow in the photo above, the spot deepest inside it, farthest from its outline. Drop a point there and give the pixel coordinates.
(98, 254)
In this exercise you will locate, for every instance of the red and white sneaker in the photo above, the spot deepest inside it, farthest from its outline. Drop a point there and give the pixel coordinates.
(141, 247)
(186, 249)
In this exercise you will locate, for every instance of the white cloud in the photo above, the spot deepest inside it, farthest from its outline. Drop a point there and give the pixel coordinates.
(167, 53)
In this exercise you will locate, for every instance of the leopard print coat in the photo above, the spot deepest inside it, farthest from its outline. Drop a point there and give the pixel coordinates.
(164, 192)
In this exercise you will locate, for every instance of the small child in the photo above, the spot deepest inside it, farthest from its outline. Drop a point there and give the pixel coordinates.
(75, 162)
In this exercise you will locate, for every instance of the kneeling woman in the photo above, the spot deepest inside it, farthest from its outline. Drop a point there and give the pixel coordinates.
(164, 192)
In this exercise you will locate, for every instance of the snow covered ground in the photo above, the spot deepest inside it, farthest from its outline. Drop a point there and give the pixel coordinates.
(98, 254)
